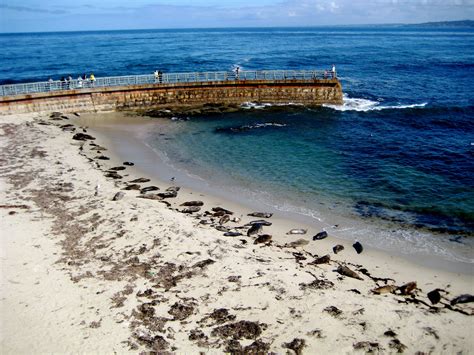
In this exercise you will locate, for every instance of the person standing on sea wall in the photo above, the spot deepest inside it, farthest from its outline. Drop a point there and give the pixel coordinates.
(333, 70)
(92, 79)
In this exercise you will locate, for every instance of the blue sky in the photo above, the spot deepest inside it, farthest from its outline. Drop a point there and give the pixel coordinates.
(72, 15)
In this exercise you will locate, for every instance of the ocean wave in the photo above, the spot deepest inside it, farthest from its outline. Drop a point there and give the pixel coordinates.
(365, 105)
(261, 105)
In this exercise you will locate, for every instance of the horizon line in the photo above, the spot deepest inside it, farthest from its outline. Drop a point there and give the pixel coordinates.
(239, 27)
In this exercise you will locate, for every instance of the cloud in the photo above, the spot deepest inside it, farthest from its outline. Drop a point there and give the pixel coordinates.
(32, 9)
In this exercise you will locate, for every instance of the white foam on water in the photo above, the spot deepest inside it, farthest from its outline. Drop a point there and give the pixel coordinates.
(258, 105)
(365, 105)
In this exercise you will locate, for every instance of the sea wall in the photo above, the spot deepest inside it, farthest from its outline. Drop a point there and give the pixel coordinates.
(307, 92)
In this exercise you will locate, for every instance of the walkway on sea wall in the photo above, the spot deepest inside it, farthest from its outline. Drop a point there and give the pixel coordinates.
(309, 87)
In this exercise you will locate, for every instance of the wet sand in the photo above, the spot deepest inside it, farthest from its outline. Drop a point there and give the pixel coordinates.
(84, 273)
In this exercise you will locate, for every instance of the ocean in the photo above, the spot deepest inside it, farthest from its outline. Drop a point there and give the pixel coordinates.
(397, 156)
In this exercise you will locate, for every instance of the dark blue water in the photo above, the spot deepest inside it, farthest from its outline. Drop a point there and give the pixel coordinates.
(400, 149)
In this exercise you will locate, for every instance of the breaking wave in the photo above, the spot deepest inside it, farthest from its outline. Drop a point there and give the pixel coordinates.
(365, 105)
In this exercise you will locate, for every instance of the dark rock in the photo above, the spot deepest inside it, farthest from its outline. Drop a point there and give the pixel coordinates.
(337, 248)
(333, 311)
(203, 263)
(358, 247)
(181, 311)
(128, 163)
(140, 180)
(254, 229)
(118, 196)
(344, 270)
(193, 203)
(390, 333)
(466, 298)
(132, 187)
(368, 347)
(82, 137)
(147, 309)
(397, 345)
(264, 238)
(221, 315)
(434, 296)
(157, 342)
(191, 209)
(239, 330)
(322, 260)
(260, 214)
(320, 235)
(296, 345)
(148, 189)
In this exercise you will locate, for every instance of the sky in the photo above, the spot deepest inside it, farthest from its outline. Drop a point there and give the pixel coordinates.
(77, 15)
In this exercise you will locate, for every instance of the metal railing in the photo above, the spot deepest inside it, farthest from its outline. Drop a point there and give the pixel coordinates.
(163, 78)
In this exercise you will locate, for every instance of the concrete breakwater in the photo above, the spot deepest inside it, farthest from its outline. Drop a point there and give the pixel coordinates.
(310, 92)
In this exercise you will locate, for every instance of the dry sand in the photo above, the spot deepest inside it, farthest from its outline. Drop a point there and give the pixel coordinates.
(82, 273)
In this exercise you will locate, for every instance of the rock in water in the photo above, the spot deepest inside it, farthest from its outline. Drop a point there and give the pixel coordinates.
(358, 247)
(118, 196)
(82, 137)
(337, 248)
(297, 231)
(320, 235)
(191, 209)
(193, 203)
(264, 238)
(344, 270)
(260, 214)
(434, 296)
(408, 288)
(255, 229)
(462, 299)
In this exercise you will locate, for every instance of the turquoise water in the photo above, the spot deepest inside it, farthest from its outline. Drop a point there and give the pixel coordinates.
(399, 153)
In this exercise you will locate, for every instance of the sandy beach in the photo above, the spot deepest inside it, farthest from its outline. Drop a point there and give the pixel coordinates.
(93, 264)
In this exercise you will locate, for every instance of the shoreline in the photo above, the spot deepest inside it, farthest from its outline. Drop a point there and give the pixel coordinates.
(139, 275)
(154, 167)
